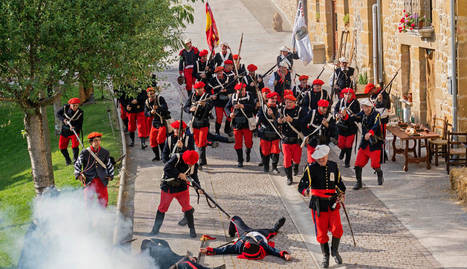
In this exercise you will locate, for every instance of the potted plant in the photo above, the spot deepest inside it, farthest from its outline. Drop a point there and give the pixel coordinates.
(346, 20)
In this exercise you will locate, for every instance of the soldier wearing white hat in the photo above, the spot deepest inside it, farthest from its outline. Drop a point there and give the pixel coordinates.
(188, 57)
(222, 56)
(286, 57)
(343, 76)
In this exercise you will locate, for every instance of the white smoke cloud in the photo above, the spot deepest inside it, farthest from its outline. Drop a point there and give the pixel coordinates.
(72, 234)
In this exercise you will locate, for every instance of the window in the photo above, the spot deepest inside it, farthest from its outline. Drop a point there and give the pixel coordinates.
(424, 8)
(317, 16)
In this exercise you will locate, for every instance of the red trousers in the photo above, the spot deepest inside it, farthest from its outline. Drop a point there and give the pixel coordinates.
(148, 125)
(157, 136)
(137, 120)
(63, 142)
(220, 111)
(123, 113)
(201, 136)
(183, 199)
(97, 188)
(243, 134)
(364, 154)
(292, 152)
(345, 142)
(189, 81)
(269, 147)
(309, 152)
(327, 221)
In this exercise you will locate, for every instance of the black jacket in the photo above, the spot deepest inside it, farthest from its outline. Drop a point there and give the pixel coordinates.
(290, 57)
(319, 134)
(252, 89)
(187, 58)
(171, 183)
(91, 169)
(298, 115)
(382, 106)
(219, 58)
(370, 123)
(74, 117)
(201, 67)
(310, 99)
(201, 114)
(343, 78)
(162, 111)
(347, 126)
(240, 121)
(215, 86)
(140, 100)
(188, 144)
(265, 130)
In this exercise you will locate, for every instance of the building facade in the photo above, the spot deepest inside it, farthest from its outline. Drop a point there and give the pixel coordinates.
(421, 50)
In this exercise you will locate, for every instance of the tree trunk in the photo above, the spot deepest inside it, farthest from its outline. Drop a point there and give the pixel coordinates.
(86, 89)
(38, 138)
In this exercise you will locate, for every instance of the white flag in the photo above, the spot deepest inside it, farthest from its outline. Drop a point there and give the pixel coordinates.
(300, 38)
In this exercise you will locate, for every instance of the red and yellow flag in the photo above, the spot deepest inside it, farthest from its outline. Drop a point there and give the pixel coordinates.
(212, 35)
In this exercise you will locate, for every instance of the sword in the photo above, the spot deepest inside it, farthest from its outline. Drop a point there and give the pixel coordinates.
(348, 221)
(203, 239)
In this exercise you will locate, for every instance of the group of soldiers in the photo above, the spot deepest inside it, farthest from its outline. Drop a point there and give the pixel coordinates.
(286, 118)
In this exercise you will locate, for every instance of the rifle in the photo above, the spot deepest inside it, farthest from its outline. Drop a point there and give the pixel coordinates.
(320, 73)
(180, 129)
(333, 90)
(390, 82)
(208, 198)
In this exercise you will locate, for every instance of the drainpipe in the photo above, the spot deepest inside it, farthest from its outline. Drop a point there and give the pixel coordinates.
(454, 66)
(375, 43)
(380, 44)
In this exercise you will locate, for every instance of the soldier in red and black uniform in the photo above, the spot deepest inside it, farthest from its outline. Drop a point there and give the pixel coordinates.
(72, 117)
(282, 80)
(188, 58)
(268, 132)
(371, 143)
(292, 120)
(240, 68)
(136, 118)
(319, 123)
(380, 98)
(264, 93)
(300, 90)
(175, 181)
(176, 143)
(94, 173)
(157, 109)
(251, 86)
(323, 181)
(229, 73)
(343, 76)
(347, 106)
(217, 86)
(202, 71)
(311, 98)
(199, 105)
(222, 56)
(241, 107)
(122, 99)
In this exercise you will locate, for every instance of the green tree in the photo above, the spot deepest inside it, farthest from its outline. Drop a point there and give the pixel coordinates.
(48, 45)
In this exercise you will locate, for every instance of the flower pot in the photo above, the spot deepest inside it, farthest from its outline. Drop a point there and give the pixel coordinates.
(426, 32)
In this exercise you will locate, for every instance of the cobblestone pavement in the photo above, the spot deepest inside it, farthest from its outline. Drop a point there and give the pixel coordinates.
(382, 240)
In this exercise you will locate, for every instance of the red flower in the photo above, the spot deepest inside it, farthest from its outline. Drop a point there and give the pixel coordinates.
(403, 11)
(413, 25)
(402, 20)
(411, 28)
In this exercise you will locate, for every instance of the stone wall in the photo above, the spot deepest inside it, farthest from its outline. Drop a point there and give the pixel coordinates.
(462, 64)
(288, 8)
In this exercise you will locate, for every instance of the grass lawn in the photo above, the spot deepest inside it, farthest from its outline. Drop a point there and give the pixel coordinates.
(16, 186)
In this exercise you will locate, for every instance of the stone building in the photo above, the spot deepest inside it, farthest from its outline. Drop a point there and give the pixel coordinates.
(422, 51)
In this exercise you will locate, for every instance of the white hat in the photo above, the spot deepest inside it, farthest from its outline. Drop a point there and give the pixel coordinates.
(343, 60)
(320, 152)
(366, 102)
(223, 43)
(188, 40)
(284, 48)
(283, 64)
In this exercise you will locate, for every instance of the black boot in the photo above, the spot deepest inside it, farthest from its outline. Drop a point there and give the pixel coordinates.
(66, 155)
(379, 172)
(75, 154)
(125, 123)
(341, 155)
(191, 222)
(295, 169)
(266, 163)
(218, 128)
(143, 143)
(156, 154)
(358, 175)
(203, 156)
(228, 128)
(184, 221)
(279, 224)
(348, 155)
(334, 250)
(275, 161)
(288, 173)
(132, 137)
(248, 152)
(158, 222)
(239, 157)
(325, 251)
(262, 156)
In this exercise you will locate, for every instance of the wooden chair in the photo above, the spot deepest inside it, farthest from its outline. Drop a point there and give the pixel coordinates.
(456, 149)
(438, 146)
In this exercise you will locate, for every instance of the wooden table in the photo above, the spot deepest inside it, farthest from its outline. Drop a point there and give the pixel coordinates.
(400, 133)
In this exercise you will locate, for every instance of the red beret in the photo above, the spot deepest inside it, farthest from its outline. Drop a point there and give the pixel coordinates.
(252, 67)
(239, 86)
(199, 85)
(219, 69)
(272, 94)
(228, 62)
(150, 89)
(235, 56)
(369, 87)
(265, 90)
(323, 103)
(288, 92)
(290, 97)
(303, 77)
(74, 100)
(348, 90)
(318, 82)
(203, 53)
(176, 124)
(190, 157)
(93, 135)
